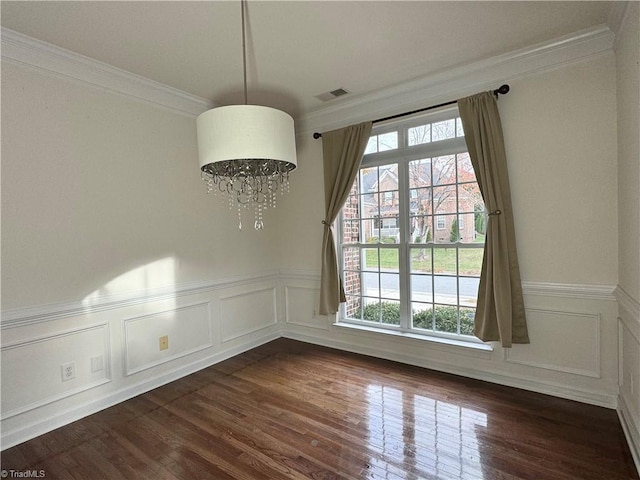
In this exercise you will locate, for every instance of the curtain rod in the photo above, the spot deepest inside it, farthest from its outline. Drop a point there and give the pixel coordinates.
(503, 90)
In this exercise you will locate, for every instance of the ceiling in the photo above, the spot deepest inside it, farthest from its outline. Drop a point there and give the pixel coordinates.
(295, 49)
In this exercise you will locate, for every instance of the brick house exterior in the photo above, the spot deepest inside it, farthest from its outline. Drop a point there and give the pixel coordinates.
(433, 211)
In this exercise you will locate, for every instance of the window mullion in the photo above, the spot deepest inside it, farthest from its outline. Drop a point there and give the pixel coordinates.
(403, 260)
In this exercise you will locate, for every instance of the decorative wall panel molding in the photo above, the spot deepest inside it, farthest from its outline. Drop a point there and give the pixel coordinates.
(44, 313)
(187, 328)
(629, 311)
(297, 303)
(21, 432)
(247, 312)
(629, 370)
(630, 426)
(31, 369)
(27, 51)
(469, 370)
(562, 341)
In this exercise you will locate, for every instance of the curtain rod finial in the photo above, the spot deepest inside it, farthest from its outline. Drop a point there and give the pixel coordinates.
(504, 89)
(317, 135)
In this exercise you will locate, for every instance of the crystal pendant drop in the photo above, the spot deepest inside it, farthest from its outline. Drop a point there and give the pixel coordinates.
(248, 184)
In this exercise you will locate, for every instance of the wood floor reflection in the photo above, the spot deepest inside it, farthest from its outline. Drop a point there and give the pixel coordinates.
(289, 410)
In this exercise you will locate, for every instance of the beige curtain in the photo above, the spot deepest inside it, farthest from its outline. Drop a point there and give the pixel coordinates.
(500, 311)
(342, 154)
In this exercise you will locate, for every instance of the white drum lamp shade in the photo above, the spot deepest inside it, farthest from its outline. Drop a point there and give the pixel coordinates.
(246, 152)
(246, 132)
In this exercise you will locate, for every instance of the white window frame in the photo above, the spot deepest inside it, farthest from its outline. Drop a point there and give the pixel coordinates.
(402, 156)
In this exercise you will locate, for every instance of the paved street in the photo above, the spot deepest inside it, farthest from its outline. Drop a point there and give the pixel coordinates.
(445, 288)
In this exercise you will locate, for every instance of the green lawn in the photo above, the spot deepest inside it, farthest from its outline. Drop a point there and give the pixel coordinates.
(444, 260)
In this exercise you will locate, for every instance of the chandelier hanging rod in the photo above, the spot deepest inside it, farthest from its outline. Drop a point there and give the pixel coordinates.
(244, 50)
(502, 90)
(246, 152)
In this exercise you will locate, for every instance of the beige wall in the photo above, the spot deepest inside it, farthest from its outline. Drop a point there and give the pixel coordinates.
(628, 88)
(102, 195)
(560, 137)
(302, 210)
(561, 146)
(109, 242)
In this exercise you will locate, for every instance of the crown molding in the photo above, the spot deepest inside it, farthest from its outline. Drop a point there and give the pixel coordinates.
(464, 80)
(616, 16)
(442, 86)
(26, 51)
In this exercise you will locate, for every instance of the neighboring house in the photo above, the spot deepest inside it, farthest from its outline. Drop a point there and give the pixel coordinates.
(438, 212)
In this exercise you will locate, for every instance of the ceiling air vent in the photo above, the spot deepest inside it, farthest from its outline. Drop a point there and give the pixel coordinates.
(338, 92)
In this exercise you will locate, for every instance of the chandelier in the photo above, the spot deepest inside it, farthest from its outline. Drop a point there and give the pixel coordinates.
(246, 151)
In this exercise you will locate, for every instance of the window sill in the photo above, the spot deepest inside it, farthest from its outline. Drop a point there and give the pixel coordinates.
(483, 347)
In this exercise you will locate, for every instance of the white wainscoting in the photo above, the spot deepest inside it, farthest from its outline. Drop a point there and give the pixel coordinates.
(31, 369)
(205, 323)
(298, 299)
(573, 350)
(574, 353)
(561, 341)
(188, 329)
(629, 370)
(247, 312)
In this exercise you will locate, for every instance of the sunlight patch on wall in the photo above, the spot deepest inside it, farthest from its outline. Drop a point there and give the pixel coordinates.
(154, 277)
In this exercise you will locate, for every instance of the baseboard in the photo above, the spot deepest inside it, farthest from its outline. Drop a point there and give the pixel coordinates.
(630, 429)
(27, 432)
(533, 385)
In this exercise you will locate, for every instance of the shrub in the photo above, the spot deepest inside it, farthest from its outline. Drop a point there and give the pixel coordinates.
(454, 235)
(390, 312)
(446, 317)
(382, 240)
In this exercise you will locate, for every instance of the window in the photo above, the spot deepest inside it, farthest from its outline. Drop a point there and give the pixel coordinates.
(382, 142)
(412, 231)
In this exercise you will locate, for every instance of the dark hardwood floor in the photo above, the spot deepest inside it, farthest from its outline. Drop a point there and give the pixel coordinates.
(289, 410)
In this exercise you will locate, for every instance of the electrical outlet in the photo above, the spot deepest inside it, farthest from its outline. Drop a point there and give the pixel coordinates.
(68, 371)
(164, 342)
